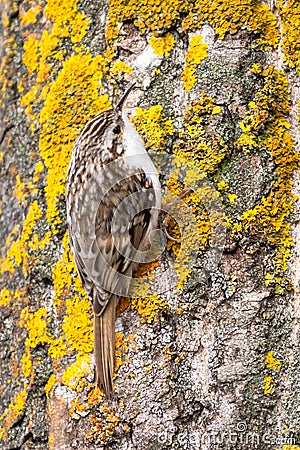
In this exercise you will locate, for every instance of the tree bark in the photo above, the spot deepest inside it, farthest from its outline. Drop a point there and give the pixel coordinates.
(208, 348)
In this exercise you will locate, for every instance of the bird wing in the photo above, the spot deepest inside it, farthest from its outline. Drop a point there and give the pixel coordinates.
(106, 236)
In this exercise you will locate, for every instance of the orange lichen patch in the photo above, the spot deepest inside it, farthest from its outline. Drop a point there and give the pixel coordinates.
(148, 306)
(146, 269)
(266, 126)
(77, 407)
(153, 126)
(162, 45)
(95, 397)
(20, 190)
(15, 409)
(124, 303)
(119, 347)
(103, 428)
(290, 20)
(196, 53)
(3, 434)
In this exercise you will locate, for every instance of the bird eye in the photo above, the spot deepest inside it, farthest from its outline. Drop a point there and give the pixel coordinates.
(117, 129)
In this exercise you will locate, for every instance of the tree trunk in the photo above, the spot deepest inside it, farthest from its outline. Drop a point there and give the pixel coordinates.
(208, 347)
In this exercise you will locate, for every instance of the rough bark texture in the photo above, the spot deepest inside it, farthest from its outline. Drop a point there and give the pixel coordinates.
(212, 360)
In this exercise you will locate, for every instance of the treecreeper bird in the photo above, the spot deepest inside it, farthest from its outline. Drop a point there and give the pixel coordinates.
(113, 200)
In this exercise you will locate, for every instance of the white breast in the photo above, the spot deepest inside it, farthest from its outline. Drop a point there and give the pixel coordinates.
(137, 156)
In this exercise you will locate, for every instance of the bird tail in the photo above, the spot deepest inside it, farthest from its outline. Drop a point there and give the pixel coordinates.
(104, 345)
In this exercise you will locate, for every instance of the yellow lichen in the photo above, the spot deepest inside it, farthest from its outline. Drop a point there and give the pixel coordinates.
(230, 16)
(153, 126)
(148, 15)
(74, 373)
(95, 397)
(232, 198)
(36, 324)
(50, 384)
(120, 67)
(29, 17)
(149, 308)
(290, 20)
(68, 89)
(57, 348)
(5, 297)
(271, 362)
(119, 348)
(158, 16)
(196, 53)
(17, 254)
(72, 99)
(30, 55)
(162, 45)
(198, 153)
(39, 244)
(103, 429)
(77, 325)
(15, 409)
(268, 386)
(222, 185)
(26, 363)
(77, 407)
(68, 92)
(266, 126)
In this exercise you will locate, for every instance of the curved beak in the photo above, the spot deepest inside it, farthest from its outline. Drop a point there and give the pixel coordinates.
(124, 96)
